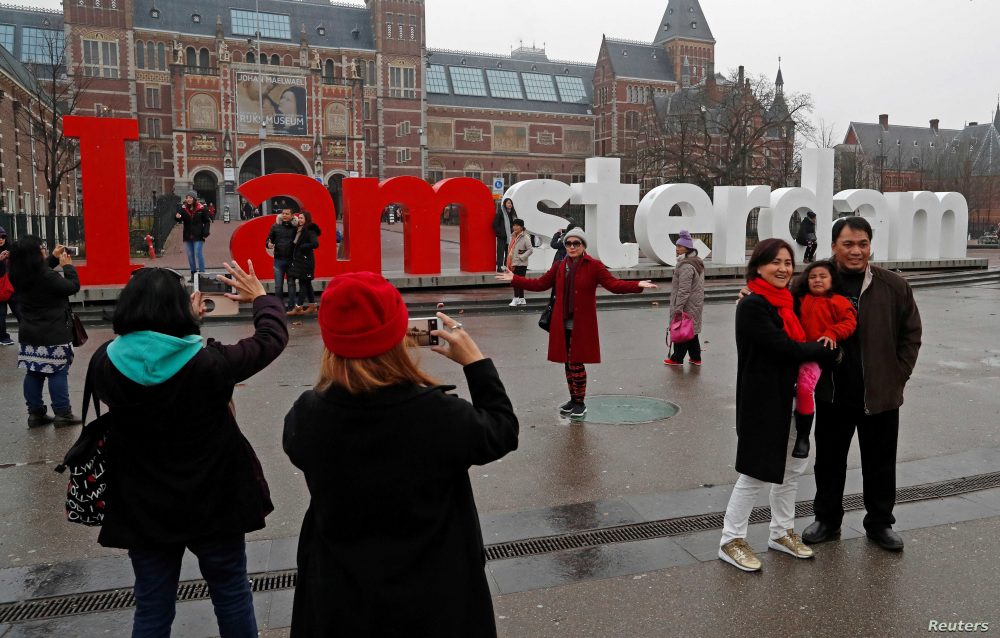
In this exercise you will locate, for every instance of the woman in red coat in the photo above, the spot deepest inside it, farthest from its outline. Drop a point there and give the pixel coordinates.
(575, 280)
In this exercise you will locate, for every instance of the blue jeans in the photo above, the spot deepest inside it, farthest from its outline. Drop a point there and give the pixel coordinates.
(280, 268)
(195, 251)
(58, 391)
(223, 563)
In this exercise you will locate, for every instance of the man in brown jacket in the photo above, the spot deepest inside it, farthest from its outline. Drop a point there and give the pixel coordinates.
(865, 390)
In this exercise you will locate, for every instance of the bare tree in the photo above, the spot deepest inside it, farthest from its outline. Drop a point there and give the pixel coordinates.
(737, 132)
(823, 134)
(53, 95)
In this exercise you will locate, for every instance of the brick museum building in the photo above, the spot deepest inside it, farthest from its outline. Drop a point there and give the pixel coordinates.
(334, 90)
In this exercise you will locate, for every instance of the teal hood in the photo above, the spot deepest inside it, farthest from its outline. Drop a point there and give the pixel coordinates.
(150, 358)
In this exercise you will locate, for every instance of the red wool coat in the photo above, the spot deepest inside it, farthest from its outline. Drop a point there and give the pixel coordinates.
(590, 273)
(832, 316)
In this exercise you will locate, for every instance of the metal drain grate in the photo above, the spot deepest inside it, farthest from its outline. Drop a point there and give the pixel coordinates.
(40, 609)
(45, 608)
(703, 522)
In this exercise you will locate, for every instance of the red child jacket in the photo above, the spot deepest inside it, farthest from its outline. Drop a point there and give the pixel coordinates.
(831, 316)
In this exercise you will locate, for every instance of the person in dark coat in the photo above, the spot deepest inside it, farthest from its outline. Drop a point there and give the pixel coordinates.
(864, 393)
(391, 543)
(45, 332)
(5, 339)
(197, 226)
(557, 243)
(807, 236)
(503, 224)
(575, 280)
(185, 476)
(770, 345)
(303, 267)
(281, 239)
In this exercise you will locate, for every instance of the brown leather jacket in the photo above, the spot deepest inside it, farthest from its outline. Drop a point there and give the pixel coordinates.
(889, 329)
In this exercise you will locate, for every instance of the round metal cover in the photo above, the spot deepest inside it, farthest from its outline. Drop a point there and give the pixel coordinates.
(625, 409)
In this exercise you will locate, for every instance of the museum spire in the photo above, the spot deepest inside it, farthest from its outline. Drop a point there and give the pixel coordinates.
(683, 19)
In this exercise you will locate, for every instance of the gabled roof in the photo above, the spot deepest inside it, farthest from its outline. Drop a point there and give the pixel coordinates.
(640, 60)
(518, 63)
(683, 19)
(916, 147)
(12, 67)
(346, 26)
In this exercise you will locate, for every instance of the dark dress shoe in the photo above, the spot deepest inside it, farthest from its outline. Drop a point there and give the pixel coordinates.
(820, 532)
(886, 538)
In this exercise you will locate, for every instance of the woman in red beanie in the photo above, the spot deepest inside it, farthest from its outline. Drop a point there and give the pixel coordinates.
(573, 338)
(390, 544)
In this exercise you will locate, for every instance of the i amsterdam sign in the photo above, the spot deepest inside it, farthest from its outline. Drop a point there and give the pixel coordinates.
(910, 225)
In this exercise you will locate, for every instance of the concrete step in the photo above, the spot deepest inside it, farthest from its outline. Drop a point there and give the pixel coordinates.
(497, 300)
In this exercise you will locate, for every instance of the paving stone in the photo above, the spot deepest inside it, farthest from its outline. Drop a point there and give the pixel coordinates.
(563, 568)
(18, 583)
(500, 527)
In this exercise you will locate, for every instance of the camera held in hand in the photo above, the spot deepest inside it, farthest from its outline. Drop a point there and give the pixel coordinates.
(214, 298)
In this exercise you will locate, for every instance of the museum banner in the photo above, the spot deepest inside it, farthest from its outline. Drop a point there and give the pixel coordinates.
(282, 97)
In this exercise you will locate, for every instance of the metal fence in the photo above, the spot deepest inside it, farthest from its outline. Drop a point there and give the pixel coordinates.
(68, 230)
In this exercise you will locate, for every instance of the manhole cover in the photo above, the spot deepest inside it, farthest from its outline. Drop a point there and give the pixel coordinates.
(624, 409)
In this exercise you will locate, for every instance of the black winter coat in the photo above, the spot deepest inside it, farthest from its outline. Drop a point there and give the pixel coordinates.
(182, 468)
(767, 368)
(391, 544)
(43, 303)
(303, 264)
(501, 230)
(197, 223)
(807, 232)
(282, 237)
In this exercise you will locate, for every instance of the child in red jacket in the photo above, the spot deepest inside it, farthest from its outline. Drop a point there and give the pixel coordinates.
(827, 317)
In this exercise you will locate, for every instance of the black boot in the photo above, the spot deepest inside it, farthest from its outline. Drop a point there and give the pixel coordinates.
(803, 425)
(38, 418)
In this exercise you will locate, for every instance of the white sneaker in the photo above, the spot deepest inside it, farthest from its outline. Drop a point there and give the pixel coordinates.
(513, 302)
(521, 301)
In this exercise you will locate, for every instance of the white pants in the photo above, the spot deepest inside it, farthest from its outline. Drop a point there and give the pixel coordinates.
(782, 499)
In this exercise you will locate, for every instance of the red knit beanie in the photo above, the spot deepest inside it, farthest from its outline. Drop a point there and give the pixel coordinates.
(361, 315)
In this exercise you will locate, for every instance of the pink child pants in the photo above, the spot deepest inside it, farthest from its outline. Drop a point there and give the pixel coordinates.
(805, 387)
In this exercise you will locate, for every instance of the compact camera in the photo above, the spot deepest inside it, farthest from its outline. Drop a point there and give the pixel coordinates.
(419, 329)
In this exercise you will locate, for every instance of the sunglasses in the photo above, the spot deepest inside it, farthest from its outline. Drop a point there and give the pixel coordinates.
(572, 244)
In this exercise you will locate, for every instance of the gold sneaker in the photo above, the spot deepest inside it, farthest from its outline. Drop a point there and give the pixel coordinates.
(791, 543)
(737, 552)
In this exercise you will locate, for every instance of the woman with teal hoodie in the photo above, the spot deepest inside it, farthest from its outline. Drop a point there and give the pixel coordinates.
(184, 474)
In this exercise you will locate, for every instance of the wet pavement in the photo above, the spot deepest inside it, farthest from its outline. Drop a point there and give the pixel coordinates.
(569, 477)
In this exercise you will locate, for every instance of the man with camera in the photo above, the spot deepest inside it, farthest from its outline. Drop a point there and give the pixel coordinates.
(197, 226)
(281, 239)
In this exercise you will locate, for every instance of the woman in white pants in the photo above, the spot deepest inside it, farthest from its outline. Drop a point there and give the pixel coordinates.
(770, 345)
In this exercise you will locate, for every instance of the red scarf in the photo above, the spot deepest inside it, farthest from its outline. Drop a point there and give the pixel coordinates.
(782, 300)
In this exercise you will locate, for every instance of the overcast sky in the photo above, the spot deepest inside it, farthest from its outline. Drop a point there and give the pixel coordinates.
(913, 59)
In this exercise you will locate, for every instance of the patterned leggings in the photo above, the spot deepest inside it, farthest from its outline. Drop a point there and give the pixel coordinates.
(576, 375)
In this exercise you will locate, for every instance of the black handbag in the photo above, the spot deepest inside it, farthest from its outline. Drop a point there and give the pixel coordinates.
(545, 320)
(79, 332)
(87, 461)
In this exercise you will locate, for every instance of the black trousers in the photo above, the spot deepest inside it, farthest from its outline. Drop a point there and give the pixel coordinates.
(522, 271)
(501, 253)
(691, 348)
(877, 435)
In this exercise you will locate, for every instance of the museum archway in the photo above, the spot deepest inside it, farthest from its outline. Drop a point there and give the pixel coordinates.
(276, 160)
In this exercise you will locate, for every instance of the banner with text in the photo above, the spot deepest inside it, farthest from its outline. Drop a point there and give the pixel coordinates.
(282, 98)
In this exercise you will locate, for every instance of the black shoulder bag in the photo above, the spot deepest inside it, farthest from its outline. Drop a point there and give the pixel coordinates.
(87, 490)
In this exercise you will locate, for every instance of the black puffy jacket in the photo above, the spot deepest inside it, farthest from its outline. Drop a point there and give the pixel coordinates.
(43, 301)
